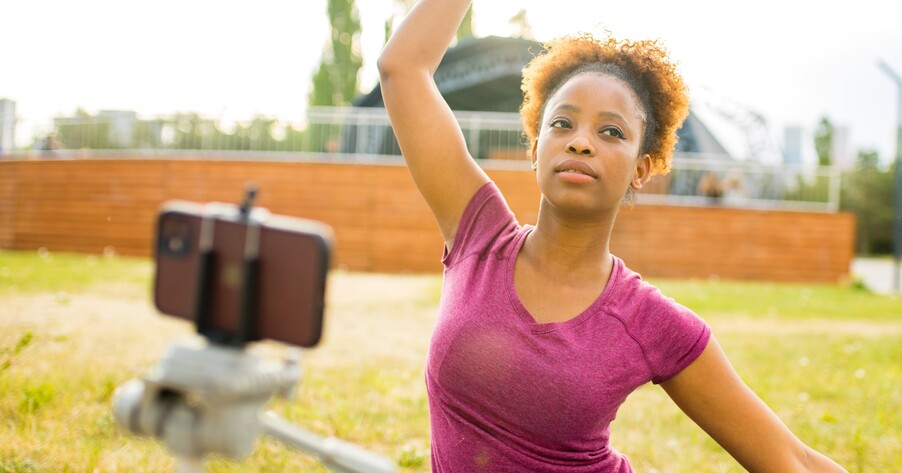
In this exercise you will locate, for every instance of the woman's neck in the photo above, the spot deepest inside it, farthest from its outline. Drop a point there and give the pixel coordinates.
(571, 247)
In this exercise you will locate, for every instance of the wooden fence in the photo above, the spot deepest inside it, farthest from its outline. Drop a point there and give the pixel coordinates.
(382, 224)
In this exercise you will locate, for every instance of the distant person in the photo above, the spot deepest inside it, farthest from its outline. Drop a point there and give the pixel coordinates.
(50, 144)
(733, 187)
(332, 146)
(711, 187)
(542, 333)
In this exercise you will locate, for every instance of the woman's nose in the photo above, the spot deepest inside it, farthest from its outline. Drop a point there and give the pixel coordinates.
(580, 145)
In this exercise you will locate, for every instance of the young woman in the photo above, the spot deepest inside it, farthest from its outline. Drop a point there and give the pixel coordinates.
(542, 332)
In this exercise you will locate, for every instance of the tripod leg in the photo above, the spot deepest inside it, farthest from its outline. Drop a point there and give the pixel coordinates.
(189, 465)
(335, 454)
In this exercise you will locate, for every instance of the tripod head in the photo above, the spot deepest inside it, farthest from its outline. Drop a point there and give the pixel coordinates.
(208, 397)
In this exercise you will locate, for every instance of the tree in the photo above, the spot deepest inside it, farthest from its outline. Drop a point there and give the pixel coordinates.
(867, 191)
(823, 142)
(867, 159)
(465, 30)
(389, 28)
(335, 82)
(522, 28)
(400, 8)
(82, 130)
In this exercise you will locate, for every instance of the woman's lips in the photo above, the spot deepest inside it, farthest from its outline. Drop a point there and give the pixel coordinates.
(576, 168)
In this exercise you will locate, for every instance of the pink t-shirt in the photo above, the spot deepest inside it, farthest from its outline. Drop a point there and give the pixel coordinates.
(508, 394)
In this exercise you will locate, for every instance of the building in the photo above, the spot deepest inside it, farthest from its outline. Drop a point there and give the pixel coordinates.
(7, 126)
(484, 75)
(792, 146)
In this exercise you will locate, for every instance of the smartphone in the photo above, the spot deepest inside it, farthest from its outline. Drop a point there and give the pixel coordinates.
(203, 272)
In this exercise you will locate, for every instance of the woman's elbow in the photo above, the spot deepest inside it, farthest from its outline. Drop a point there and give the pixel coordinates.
(387, 64)
(399, 61)
(383, 65)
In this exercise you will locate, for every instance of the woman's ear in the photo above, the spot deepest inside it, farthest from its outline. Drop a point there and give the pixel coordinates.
(643, 172)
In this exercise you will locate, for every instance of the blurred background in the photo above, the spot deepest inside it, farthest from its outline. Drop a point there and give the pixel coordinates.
(790, 64)
(774, 86)
(775, 224)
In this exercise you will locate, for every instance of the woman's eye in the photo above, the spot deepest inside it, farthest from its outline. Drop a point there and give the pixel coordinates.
(616, 133)
(559, 123)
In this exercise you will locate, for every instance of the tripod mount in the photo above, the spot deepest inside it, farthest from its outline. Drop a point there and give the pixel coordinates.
(208, 397)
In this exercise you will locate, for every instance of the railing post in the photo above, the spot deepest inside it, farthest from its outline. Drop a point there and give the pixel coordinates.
(358, 145)
(897, 185)
(475, 128)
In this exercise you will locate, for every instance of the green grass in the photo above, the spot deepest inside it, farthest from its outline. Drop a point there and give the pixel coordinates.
(72, 328)
(782, 300)
(44, 271)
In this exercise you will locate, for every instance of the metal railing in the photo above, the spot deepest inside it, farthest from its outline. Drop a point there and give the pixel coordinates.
(701, 180)
(346, 134)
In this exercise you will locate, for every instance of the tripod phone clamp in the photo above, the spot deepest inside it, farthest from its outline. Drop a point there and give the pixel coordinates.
(208, 397)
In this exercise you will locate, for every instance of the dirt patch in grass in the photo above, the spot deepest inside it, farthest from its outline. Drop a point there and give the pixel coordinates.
(368, 317)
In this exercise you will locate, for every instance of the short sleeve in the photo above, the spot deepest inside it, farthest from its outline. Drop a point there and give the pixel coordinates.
(486, 217)
(671, 335)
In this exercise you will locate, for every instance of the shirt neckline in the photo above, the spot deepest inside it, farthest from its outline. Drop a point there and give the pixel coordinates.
(524, 314)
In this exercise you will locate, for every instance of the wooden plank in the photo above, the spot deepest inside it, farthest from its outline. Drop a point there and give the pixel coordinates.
(9, 182)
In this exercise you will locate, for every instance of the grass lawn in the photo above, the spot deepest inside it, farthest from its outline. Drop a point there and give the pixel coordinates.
(73, 327)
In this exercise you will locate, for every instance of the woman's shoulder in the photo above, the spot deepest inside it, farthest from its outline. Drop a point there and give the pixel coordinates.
(487, 225)
(668, 332)
(632, 296)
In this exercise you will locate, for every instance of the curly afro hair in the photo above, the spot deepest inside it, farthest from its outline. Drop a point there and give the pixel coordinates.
(643, 65)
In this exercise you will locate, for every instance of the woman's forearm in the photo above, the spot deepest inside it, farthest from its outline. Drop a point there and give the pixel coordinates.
(423, 37)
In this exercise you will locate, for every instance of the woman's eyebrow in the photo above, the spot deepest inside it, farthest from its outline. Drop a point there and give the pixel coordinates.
(603, 114)
(615, 116)
(565, 107)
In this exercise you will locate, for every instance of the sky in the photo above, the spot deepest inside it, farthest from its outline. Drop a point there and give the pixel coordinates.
(791, 61)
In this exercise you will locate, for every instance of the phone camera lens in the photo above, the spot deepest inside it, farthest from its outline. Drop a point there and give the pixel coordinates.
(176, 244)
(175, 236)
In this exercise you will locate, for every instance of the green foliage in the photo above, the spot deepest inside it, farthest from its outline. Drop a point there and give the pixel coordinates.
(809, 189)
(402, 6)
(191, 131)
(823, 142)
(465, 29)
(388, 28)
(522, 28)
(182, 131)
(867, 191)
(85, 135)
(412, 457)
(10, 353)
(335, 82)
(36, 396)
(324, 137)
(13, 465)
(867, 159)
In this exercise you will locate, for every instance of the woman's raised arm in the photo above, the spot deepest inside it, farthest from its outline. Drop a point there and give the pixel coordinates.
(428, 134)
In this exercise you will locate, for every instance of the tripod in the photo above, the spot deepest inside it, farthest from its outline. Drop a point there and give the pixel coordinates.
(208, 397)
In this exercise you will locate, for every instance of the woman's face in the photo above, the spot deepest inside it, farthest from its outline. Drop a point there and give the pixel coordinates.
(587, 150)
